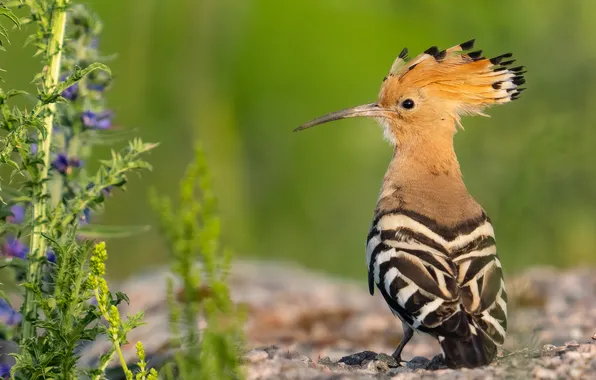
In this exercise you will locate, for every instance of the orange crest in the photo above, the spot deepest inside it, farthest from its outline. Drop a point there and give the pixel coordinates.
(468, 82)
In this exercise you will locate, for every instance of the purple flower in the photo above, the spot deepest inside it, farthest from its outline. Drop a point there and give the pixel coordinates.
(51, 255)
(71, 92)
(13, 247)
(86, 217)
(106, 191)
(101, 120)
(18, 214)
(60, 163)
(99, 87)
(5, 370)
(9, 316)
(33, 148)
(64, 164)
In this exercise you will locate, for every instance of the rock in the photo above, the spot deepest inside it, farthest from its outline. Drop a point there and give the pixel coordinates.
(437, 363)
(572, 344)
(387, 359)
(397, 371)
(256, 355)
(548, 350)
(375, 366)
(271, 351)
(544, 374)
(358, 358)
(418, 362)
(594, 336)
(325, 361)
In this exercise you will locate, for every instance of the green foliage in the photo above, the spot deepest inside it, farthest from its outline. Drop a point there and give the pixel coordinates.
(52, 196)
(193, 231)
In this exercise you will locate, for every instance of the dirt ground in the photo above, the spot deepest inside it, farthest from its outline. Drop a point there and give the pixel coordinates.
(301, 324)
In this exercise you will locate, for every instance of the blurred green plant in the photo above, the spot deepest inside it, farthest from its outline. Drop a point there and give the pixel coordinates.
(192, 231)
(51, 195)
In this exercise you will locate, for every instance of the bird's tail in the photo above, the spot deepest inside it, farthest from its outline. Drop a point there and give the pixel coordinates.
(475, 351)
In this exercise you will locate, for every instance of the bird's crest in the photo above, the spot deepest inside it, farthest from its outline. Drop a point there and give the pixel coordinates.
(467, 79)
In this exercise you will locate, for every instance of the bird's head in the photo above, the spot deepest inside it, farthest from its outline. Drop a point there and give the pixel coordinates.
(428, 94)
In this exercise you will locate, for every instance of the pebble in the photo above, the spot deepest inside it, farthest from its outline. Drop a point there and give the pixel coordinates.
(256, 355)
(418, 362)
(594, 336)
(572, 343)
(358, 358)
(375, 366)
(548, 350)
(389, 360)
(544, 374)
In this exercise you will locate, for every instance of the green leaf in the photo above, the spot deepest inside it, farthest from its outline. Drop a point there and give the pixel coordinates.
(9, 15)
(5, 211)
(105, 232)
(12, 93)
(79, 73)
(12, 192)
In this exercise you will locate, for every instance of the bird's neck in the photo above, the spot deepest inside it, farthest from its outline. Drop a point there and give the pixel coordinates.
(424, 176)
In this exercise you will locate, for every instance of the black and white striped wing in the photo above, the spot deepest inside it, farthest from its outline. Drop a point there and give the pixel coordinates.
(481, 280)
(412, 269)
(434, 278)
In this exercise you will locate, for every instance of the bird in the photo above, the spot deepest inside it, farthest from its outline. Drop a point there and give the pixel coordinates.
(431, 249)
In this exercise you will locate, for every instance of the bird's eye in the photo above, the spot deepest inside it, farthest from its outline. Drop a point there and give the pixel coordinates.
(408, 104)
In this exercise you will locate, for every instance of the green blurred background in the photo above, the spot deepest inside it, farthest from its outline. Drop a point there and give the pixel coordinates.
(240, 75)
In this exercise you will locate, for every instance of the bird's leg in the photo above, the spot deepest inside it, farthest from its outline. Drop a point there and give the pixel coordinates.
(408, 334)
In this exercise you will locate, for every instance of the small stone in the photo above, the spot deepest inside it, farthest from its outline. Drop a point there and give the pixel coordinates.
(399, 370)
(575, 373)
(418, 362)
(594, 336)
(375, 366)
(436, 363)
(544, 374)
(548, 350)
(325, 360)
(572, 344)
(256, 355)
(358, 358)
(573, 355)
(271, 351)
(588, 348)
(387, 359)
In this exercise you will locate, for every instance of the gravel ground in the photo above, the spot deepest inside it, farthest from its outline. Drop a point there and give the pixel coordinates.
(307, 325)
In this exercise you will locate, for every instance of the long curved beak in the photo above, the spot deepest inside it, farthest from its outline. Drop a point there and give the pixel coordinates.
(367, 110)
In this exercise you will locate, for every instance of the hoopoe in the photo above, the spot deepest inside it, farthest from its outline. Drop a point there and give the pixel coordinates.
(431, 247)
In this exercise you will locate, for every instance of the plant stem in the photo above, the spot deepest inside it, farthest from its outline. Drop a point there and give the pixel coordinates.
(38, 243)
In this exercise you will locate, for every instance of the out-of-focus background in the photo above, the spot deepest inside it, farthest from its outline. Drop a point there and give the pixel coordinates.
(240, 75)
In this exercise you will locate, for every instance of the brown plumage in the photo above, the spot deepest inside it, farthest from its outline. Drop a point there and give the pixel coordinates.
(431, 248)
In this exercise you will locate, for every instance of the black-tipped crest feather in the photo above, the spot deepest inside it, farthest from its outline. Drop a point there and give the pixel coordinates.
(433, 50)
(403, 53)
(468, 44)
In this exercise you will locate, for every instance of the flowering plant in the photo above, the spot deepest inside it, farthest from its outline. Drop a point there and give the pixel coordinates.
(50, 196)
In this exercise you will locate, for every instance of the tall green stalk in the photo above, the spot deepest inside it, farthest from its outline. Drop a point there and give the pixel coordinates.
(38, 243)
